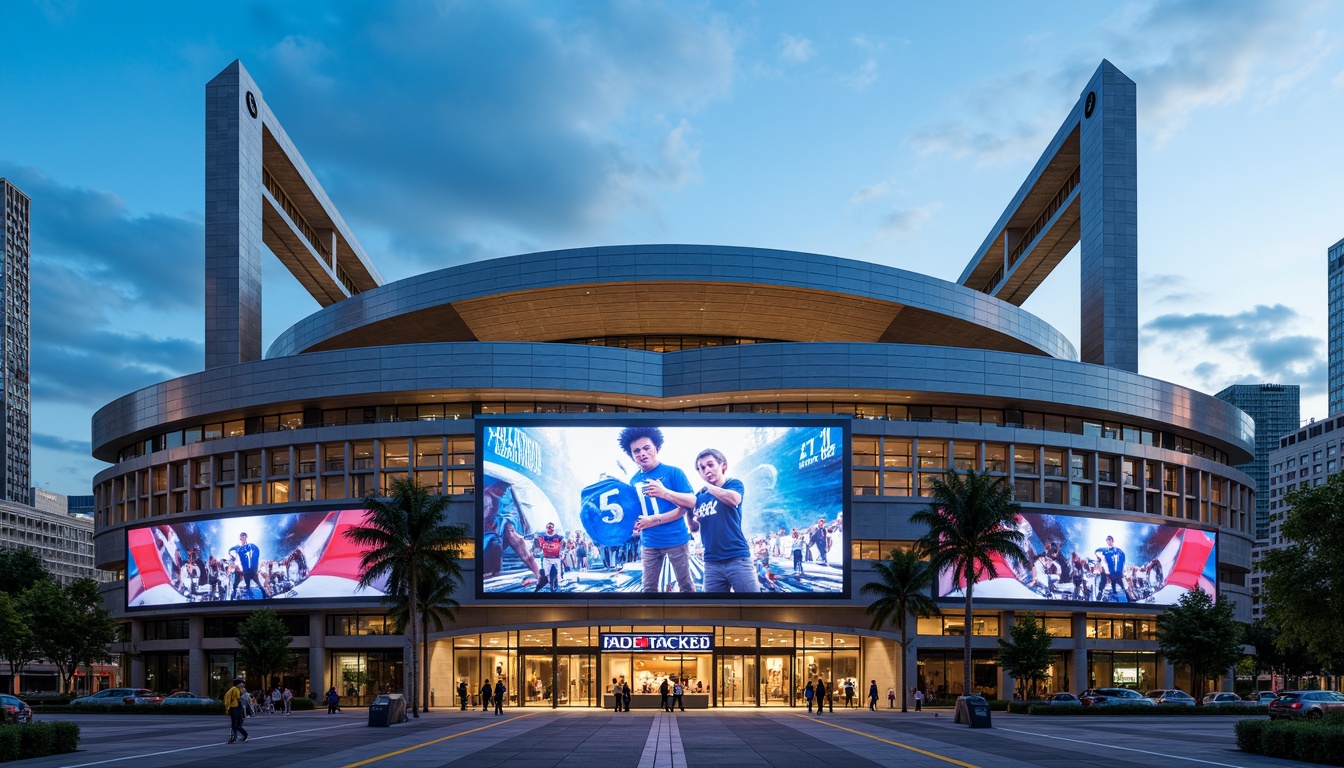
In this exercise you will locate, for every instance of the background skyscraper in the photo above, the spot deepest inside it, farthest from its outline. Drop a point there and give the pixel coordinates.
(1277, 411)
(1335, 269)
(16, 457)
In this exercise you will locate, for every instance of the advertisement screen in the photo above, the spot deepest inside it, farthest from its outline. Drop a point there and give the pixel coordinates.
(285, 556)
(1097, 560)
(727, 507)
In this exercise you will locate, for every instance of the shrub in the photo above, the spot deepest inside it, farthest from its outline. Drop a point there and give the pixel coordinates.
(1250, 735)
(21, 742)
(1280, 740)
(303, 704)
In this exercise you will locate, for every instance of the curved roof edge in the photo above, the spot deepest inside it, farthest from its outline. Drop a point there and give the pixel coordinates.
(662, 378)
(700, 264)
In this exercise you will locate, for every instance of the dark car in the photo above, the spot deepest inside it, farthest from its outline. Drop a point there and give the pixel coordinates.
(15, 710)
(1063, 700)
(1110, 697)
(1222, 699)
(1311, 705)
(1171, 697)
(1261, 697)
(120, 696)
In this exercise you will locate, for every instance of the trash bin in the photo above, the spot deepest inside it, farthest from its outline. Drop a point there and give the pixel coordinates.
(973, 711)
(388, 709)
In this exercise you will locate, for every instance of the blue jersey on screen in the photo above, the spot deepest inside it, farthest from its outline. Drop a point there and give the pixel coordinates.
(721, 525)
(672, 534)
(248, 556)
(1115, 559)
(608, 509)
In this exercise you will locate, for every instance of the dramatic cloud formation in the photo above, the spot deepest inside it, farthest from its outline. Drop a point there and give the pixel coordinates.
(550, 125)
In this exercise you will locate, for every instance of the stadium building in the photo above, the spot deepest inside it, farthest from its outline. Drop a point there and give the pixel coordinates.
(836, 390)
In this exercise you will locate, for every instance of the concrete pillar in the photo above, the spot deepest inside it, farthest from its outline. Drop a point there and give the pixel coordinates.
(1078, 678)
(1166, 674)
(1007, 685)
(198, 671)
(137, 678)
(317, 653)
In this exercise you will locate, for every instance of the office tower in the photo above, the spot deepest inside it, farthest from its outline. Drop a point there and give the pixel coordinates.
(1335, 262)
(1277, 411)
(15, 458)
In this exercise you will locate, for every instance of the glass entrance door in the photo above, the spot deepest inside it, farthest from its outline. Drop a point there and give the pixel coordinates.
(538, 684)
(577, 681)
(738, 684)
(776, 674)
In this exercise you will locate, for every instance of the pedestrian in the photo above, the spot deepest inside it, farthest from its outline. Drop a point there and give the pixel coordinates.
(277, 701)
(919, 699)
(872, 696)
(663, 691)
(677, 691)
(891, 697)
(333, 701)
(287, 696)
(485, 695)
(807, 694)
(500, 693)
(625, 695)
(849, 694)
(821, 695)
(462, 692)
(233, 704)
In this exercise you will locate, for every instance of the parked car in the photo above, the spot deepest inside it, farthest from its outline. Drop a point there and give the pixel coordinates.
(1171, 697)
(1260, 697)
(120, 696)
(1312, 705)
(1110, 697)
(15, 710)
(1222, 699)
(1063, 700)
(186, 697)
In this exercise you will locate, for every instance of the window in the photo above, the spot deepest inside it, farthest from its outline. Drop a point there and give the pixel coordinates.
(932, 454)
(896, 452)
(1024, 461)
(1054, 463)
(865, 451)
(396, 453)
(965, 456)
(994, 458)
(333, 457)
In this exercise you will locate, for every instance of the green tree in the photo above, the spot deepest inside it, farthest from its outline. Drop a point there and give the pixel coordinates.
(436, 610)
(1200, 633)
(18, 644)
(971, 520)
(903, 586)
(1026, 654)
(406, 541)
(1304, 591)
(19, 570)
(74, 627)
(264, 646)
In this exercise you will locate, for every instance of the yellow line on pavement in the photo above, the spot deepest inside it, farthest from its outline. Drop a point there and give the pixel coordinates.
(414, 747)
(934, 755)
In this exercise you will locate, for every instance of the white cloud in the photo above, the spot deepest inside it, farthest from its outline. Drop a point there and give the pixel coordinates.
(796, 50)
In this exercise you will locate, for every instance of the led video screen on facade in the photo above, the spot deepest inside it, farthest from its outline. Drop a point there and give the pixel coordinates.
(287, 556)
(704, 507)
(1100, 560)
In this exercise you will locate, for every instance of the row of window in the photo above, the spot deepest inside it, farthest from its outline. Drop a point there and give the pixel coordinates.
(947, 414)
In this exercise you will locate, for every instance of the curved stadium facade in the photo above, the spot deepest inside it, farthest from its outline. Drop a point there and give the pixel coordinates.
(928, 377)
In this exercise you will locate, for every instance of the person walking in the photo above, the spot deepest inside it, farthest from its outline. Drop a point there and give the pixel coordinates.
(919, 699)
(462, 692)
(287, 697)
(872, 696)
(485, 695)
(821, 695)
(233, 704)
(808, 693)
(625, 695)
(333, 701)
(677, 691)
(500, 693)
(663, 691)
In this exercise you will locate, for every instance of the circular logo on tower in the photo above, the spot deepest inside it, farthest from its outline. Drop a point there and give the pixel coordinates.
(252, 105)
(1088, 105)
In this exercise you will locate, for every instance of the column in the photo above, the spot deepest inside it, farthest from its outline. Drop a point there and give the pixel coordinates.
(137, 678)
(1007, 685)
(198, 668)
(1078, 678)
(1166, 673)
(317, 654)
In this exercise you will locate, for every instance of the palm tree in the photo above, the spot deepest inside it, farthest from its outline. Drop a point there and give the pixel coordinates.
(436, 608)
(972, 520)
(406, 540)
(902, 588)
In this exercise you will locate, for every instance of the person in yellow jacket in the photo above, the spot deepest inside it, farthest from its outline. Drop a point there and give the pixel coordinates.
(233, 704)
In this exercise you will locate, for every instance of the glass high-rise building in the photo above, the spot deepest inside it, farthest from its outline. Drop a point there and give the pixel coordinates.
(1277, 411)
(1335, 262)
(14, 401)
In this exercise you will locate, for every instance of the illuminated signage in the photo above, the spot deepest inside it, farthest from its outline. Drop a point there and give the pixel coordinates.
(689, 641)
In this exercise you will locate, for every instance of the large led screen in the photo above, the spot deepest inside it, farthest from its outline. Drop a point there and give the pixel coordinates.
(1099, 560)
(286, 556)
(726, 507)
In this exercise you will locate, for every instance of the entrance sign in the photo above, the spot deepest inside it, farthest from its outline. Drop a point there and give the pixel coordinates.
(682, 641)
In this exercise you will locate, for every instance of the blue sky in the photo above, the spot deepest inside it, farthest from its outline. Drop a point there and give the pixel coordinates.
(455, 131)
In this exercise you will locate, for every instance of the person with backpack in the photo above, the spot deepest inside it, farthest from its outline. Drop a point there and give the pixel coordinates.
(333, 701)
(486, 690)
(500, 693)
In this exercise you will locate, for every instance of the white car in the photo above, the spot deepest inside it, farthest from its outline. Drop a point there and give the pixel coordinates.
(185, 697)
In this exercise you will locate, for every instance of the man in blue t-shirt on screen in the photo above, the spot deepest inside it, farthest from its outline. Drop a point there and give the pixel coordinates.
(665, 500)
(718, 518)
(249, 557)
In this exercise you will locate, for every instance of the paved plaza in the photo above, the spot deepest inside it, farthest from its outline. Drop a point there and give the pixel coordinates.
(741, 738)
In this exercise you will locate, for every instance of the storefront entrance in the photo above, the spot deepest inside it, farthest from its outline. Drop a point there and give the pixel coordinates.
(567, 680)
